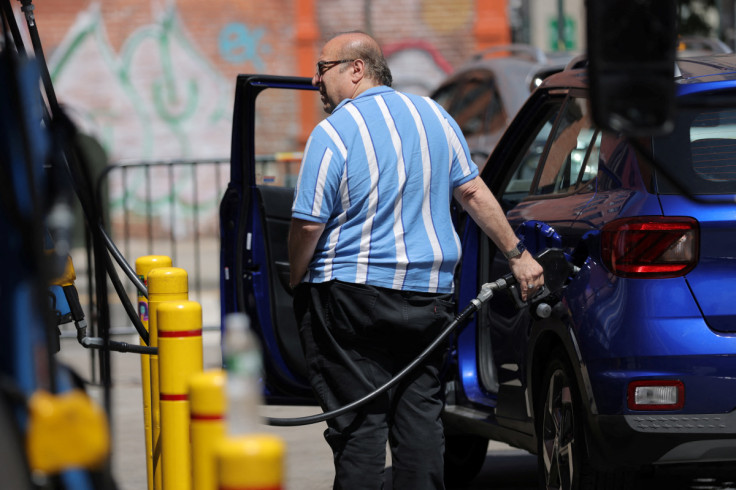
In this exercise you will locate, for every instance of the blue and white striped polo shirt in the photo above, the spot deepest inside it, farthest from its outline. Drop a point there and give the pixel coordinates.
(379, 172)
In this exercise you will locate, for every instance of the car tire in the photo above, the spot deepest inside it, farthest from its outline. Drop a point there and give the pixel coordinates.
(562, 457)
(464, 458)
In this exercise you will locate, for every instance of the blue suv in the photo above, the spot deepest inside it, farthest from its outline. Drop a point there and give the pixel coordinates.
(634, 364)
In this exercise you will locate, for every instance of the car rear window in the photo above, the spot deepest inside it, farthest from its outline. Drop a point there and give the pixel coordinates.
(700, 154)
(474, 102)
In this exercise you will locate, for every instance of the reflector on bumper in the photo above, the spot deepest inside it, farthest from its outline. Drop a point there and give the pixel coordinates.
(656, 395)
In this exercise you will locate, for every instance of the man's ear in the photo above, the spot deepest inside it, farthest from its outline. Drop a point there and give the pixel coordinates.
(358, 68)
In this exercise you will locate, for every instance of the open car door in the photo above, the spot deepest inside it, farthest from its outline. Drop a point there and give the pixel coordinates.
(255, 213)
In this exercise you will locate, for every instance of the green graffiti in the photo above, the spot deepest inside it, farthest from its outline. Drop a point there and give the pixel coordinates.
(170, 102)
(169, 99)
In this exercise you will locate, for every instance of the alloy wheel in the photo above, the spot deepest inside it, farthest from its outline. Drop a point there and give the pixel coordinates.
(558, 433)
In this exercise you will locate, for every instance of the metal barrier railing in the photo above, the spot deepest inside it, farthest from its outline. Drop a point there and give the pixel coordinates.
(164, 208)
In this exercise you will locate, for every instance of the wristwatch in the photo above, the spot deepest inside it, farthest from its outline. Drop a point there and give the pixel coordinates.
(516, 251)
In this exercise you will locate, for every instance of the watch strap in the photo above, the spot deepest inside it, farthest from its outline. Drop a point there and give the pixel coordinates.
(516, 251)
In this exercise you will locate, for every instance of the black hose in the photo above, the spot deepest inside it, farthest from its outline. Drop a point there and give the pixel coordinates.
(123, 296)
(27, 9)
(96, 343)
(127, 269)
(313, 419)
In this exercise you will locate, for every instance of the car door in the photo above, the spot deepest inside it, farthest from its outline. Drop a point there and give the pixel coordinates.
(509, 173)
(538, 172)
(267, 142)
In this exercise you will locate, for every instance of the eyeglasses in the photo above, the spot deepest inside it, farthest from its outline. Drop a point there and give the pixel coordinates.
(323, 66)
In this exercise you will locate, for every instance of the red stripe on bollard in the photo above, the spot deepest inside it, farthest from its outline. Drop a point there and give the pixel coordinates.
(174, 398)
(180, 333)
(249, 487)
(205, 418)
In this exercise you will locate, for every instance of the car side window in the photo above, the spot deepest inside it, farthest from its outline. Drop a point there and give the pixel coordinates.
(573, 141)
(520, 183)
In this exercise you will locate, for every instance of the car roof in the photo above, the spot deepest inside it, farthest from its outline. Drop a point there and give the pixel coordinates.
(692, 70)
(719, 67)
(511, 64)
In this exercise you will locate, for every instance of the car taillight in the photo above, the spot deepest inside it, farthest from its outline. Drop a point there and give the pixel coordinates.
(650, 246)
(656, 395)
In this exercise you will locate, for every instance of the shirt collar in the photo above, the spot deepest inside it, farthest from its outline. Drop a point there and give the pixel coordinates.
(368, 93)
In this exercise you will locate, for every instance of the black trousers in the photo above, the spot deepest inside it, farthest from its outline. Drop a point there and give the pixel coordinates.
(355, 338)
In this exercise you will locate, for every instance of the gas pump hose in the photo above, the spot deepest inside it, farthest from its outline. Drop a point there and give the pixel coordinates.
(486, 292)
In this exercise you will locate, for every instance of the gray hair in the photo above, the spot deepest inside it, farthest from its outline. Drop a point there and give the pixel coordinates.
(366, 48)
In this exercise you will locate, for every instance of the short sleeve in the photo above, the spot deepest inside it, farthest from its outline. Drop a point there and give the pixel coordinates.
(317, 191)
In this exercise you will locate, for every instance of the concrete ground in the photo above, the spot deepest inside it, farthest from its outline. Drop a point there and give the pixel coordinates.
(308, 460)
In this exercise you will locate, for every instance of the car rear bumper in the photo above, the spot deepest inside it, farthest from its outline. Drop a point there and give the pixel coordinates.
(633, 440)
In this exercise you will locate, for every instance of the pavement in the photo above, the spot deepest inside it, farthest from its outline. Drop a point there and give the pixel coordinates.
(308, 460)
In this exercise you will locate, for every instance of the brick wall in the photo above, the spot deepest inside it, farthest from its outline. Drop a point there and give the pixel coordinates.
(154, 79)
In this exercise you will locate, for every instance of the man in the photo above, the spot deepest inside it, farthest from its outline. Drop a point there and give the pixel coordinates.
(373, 252)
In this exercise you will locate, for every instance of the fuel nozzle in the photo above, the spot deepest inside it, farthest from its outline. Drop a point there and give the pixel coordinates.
(557, 272)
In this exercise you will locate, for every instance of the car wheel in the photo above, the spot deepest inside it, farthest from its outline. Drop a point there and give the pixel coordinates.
(464, 457)
(559, 445)
(561, 453)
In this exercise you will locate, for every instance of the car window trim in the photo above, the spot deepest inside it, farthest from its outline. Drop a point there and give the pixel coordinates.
(548, 143)
(493, 179)
(573, 93)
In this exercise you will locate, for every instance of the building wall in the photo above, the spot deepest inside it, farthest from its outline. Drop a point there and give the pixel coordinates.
(154, 79)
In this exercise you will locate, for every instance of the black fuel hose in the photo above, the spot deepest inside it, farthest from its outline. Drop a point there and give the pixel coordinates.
(485, 294)
(120, 259)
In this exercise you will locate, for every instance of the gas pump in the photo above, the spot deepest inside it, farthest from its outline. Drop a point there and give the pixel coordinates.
(58, 437)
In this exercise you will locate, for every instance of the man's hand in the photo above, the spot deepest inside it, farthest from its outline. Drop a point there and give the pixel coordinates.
(528, 273)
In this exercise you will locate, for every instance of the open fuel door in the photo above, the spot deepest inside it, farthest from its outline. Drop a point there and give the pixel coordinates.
(267, 143)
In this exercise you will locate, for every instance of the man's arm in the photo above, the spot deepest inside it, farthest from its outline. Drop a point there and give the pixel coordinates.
(476, 198)
(303, 238)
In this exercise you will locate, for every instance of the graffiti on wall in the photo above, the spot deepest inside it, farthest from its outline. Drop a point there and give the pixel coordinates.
(159, 92)
(417, 66)
(147, 100)
(157, 98)
(239, 44)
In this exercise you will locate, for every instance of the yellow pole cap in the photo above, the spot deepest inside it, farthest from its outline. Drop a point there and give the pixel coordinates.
(179, 319)
(143, 265)
(207, 394)
(168, 280)
(251, 461)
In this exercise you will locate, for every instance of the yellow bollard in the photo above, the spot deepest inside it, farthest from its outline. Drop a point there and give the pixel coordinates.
(164, 284)
(180, 358)
(251, 462)
(143, 266)
(207, 406)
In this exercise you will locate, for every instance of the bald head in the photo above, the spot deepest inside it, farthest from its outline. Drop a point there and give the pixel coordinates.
(359, 45)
